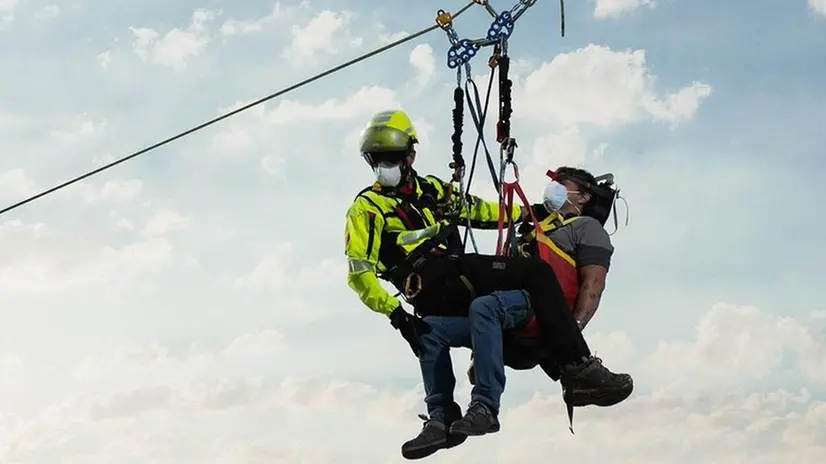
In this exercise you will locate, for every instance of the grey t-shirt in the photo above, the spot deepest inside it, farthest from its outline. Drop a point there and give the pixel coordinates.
(585, 240)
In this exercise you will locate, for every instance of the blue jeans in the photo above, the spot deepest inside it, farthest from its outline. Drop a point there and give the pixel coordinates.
(482, 332)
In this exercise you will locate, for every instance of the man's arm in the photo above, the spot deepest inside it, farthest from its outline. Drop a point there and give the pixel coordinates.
(593, 258)
(362, 242)
(591, 286)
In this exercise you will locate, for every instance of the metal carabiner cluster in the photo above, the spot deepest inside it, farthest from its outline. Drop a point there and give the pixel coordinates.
(461, 50)
(502, 27)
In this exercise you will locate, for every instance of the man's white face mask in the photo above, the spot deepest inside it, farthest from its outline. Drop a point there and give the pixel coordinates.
(388, 174)
(555, 196)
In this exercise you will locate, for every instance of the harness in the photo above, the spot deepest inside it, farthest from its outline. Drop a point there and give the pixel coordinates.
(411, 208)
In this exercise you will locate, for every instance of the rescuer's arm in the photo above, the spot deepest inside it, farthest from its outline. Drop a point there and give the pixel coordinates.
(482, 214)
(593, 258)
(362, 241)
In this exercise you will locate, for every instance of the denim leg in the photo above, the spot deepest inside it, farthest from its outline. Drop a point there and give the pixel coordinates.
(489, 316)
(435, 362)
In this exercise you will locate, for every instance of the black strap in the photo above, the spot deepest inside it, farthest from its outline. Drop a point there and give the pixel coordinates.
(458, 120)
(503, 126)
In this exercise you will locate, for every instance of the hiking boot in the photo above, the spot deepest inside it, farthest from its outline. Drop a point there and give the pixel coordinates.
(591, 383)
(432, 438)
(479, 420)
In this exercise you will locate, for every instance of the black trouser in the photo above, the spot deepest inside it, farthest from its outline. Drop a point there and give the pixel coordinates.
(445, 293)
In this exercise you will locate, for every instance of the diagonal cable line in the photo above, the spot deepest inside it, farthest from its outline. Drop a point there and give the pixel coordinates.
(277, 94)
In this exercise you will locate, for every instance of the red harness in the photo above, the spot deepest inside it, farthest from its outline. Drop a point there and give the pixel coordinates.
(565, 272)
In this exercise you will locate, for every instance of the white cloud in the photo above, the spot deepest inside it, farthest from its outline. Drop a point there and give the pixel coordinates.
(386, 38)
(678, 106)
(7, 5)
(47, 12)
(568, 147)
(175, 48)
(273, 165)
(15, 184)
(597, 86)
(423, 62)
(105, 59)
(125, 224)
(112, 191)
(264, 343)
(272, 273)
(606, 9)
(818, 6)
(8, 120)
(257, 131)
(40, 261)
(146, 404)
(326, 33)
(281, 275)
(81, 128)
(234, 27)
(732, 346)
(7, 8)
(214, 344)
(365, 101)
(164, 222)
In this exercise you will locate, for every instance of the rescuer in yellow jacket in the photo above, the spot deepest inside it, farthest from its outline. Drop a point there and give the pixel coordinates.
(400, 211)
(403, 230)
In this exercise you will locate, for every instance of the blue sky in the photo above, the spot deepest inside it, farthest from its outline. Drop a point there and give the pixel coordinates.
(197, 294)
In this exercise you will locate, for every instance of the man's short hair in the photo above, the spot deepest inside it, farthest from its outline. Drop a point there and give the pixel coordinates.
(583, 178)
(602, 195)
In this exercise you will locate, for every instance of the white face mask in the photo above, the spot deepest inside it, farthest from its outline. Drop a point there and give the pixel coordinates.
(555, 196)
(388, 174)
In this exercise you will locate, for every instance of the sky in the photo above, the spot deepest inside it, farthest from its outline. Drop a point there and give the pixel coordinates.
(191, 305)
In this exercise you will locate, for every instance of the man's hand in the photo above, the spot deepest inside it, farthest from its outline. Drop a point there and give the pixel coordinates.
(471, 373)
(410, 327)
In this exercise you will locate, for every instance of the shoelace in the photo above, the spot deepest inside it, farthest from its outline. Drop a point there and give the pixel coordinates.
(479, 409)
(425, 419)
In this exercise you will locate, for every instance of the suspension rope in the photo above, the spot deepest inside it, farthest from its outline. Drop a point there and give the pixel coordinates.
(197, 128)
(479, 121)
(459, 55)
(461, 62)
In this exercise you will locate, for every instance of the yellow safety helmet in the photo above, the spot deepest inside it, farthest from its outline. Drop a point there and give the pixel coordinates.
(389, 132)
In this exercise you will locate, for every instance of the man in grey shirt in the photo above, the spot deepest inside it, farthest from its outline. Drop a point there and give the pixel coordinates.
(573, 213)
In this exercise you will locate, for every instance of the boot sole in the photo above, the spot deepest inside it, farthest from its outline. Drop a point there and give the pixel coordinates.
(472, 433)
(599, 397)
(425, 451)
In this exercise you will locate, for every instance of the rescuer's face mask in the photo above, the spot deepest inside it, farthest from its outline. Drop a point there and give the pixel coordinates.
(388, 174)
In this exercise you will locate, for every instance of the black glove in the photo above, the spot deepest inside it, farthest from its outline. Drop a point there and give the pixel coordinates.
(410, 327)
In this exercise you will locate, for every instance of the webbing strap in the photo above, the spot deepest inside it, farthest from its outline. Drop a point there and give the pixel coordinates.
(506, 209)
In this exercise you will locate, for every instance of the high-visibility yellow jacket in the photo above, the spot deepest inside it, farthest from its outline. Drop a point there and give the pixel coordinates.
(384, 226)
